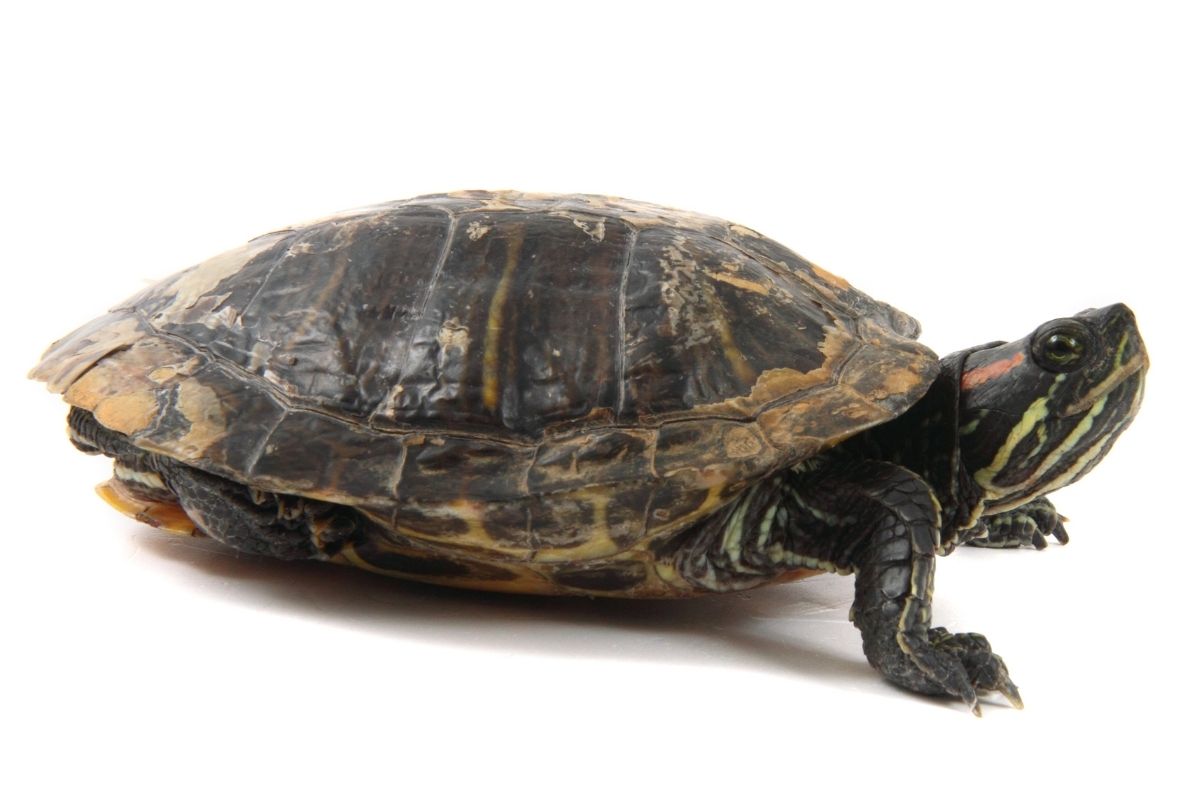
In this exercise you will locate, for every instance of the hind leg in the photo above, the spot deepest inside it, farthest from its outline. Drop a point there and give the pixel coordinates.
(278, 525)
(281, 526)
(226, 511)
(1026, 526)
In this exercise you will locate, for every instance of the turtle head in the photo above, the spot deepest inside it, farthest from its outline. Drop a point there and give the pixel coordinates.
(1038, 413)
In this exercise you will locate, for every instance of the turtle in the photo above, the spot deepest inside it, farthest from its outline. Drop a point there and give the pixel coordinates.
(586, 395)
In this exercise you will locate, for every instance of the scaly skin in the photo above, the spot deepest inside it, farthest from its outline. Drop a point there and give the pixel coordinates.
(878, 520)
(894, 567)
(1027, 526)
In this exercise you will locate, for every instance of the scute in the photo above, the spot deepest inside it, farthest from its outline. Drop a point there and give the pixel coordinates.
(530, 376)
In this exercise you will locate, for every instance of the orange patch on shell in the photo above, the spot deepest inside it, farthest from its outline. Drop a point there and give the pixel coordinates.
(830, 278)
(987, 372)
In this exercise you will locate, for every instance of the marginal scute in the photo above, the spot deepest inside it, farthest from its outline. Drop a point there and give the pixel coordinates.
(118, 389)
(205, 417)
(701, 445)
(742, 442)
(70, 357)
(529, 378)
(602, 455)
(123, 411)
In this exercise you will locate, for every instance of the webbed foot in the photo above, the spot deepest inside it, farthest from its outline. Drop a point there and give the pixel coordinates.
(1027, 526)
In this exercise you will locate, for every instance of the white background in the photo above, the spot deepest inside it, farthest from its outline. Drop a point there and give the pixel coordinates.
(984, 167)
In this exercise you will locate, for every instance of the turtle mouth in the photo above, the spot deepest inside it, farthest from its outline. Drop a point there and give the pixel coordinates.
(1132, 371)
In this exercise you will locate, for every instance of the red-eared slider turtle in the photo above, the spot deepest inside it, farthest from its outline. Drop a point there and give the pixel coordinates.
(586, 395)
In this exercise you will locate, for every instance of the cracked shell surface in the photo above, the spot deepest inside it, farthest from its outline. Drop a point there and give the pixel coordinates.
(552, 378)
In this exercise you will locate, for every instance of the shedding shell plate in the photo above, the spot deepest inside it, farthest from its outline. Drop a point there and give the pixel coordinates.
(554, 377)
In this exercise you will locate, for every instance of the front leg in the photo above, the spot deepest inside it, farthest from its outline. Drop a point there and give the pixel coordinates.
(885, 522)
(1025, 526)
(874, 519)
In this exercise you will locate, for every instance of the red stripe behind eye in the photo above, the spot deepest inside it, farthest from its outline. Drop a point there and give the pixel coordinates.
(987, 372)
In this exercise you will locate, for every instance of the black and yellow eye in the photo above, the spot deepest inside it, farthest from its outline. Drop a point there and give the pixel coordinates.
(1061, 349)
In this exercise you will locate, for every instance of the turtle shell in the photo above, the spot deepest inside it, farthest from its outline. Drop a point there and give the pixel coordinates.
(553, 377)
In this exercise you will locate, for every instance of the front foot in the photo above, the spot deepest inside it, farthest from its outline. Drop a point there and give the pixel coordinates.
(941, 663)
(894, 567)
(885, 521)
(985, 670)
(1027, 526)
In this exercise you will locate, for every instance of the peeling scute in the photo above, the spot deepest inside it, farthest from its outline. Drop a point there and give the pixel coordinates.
(73, 355)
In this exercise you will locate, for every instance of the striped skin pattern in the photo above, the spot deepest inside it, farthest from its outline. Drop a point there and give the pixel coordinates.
(1027, 525)
(1056, 425)
(528, 390)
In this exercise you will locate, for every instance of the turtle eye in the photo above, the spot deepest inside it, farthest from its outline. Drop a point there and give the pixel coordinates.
(1061, 349)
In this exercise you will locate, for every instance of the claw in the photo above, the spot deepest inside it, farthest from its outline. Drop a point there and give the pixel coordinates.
(971, 698)
(1009, 690)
